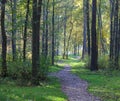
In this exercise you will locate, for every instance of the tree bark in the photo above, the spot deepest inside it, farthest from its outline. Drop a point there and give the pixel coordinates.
(84, 51)
(46, 35)
(116, 35)
(35, 39)
(25, 31)
(94, 52)
(65, 20)
(88, 25)
(14, 29)
(53, 35)
(69, 37)
(4, 40)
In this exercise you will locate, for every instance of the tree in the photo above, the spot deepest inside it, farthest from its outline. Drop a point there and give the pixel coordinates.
(4, 40)
(53, 33)
(94, 51)
(114, 33)
(46, 35)
(25, 30)
(84, 29)
(35, 39)
(14, 3)
(65, 21)
(88, 25)
(117, 35)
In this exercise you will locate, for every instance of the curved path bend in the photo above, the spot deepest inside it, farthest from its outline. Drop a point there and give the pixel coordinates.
(74, 87)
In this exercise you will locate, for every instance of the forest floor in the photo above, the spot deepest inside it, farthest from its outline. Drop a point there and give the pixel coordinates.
(102, 83)
(74, 87)
(77, 82)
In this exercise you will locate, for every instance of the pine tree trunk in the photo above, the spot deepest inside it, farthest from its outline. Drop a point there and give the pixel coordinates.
(46, 35)
(84, 51)
(25, 31)
(4, 40)
(53, 36)
(14, 29)
(65, 21)
(88, 26)
(94, 52)
(35, 39)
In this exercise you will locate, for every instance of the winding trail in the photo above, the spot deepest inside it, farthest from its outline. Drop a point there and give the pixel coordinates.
(73, 86)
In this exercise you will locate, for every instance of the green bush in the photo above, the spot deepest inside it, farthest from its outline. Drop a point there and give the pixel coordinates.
(19, 69)
(103, 62)
(44, 65)
(86, 60)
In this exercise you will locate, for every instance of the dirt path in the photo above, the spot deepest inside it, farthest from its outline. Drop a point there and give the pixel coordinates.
(73, 86)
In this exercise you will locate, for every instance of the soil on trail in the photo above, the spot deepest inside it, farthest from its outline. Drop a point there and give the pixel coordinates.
(73, 86)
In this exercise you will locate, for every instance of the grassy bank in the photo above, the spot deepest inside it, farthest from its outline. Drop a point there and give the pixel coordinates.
(49, 90)
(102, 83)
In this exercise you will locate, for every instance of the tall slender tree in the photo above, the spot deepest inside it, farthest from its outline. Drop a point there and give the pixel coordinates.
(64, 29)
(117, 36)
(88, 25)
(4, 40)
(25, 30)
(14, 4)
(35, 39)
(111, 29)
(53, 32)
(84, 51)
(94, 51)
(46, 25)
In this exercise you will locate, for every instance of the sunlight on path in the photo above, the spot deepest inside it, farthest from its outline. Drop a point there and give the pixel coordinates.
(73, 86)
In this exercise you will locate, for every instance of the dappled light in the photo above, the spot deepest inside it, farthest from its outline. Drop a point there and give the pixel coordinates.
(59, 50)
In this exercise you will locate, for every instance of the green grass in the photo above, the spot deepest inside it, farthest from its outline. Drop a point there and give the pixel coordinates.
(100, 83)
(49, 91)
(55, 68)
(103, 84)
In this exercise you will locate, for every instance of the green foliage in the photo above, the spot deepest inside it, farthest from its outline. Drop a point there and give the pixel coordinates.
(19, 69)
(44, 65)
(55, 68)
(103, 62)
(86, 60)
(104, 86)
(49, 91)
(113, 66)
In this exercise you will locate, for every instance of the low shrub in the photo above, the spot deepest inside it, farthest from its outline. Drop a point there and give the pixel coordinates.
(44, 65)
(19, 69)
(86, 60)
(103, 62)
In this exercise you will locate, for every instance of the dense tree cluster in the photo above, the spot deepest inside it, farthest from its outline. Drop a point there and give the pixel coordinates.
(38, 30)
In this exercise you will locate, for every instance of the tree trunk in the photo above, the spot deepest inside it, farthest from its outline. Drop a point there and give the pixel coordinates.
(102, 42)
(4, 40)
(84, 51)
(44, 28)
(94, 52)
(14, 29)
(88, 26)
(25, 31)
(53, 35)
(116, 35)
(65, 20)
(46, 35)
(111, 29)
(69, 37)
(35, 39)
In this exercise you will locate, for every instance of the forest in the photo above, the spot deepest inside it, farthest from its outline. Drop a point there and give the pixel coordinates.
(59, 50)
